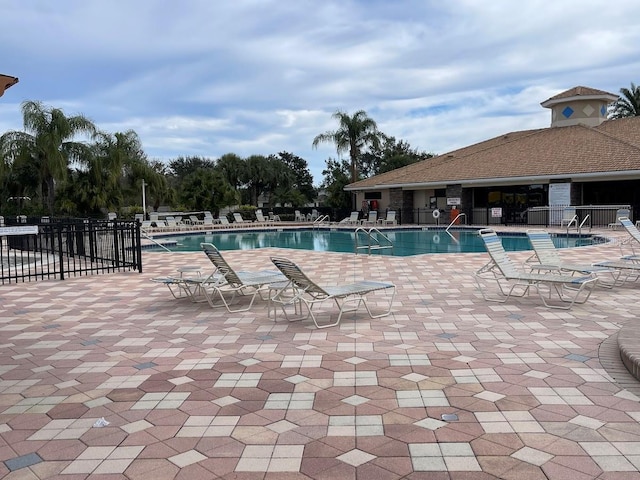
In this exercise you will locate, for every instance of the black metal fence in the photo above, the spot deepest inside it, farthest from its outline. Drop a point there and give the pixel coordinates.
(41, 249)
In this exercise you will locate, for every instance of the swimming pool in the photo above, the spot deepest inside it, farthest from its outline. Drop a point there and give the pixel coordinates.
(405, 242)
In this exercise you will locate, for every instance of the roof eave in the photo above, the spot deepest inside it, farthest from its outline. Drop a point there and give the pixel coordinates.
(551, 102)
(522, 180)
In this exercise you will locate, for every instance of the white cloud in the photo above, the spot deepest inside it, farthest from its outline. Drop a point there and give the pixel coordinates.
(262, 76)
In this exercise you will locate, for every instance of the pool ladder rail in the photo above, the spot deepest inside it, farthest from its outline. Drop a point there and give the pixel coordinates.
(373, 238)
(321, 220)
(578, 226)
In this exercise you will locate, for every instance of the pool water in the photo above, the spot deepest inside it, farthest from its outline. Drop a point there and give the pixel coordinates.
(405, 242)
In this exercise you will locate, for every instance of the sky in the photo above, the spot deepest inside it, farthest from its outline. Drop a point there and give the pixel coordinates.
(209, 77)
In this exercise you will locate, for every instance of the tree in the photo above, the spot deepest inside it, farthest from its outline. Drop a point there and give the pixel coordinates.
(232, 168)
(628, 103)
(258, 174)
(354, 134)
(207, 189)
(335, 178)
(48, 142)
(301, 179)
(184, 166)
(390, 155)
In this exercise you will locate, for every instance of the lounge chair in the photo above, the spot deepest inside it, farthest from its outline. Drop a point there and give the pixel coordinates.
(353, 219)
(517, 283)
(390, 220)
(237, 217)
(372, 219)
(226, 282)
(260, 218)
(302, 289)
(185, 284)
(546, 254)
(194, 220)
(632, 242)
(620, 213)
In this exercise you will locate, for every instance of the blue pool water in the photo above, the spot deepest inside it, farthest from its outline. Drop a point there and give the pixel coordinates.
(405, 242)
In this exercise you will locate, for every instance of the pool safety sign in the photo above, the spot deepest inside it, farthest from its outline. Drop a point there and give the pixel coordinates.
(22, 230)
(496, 212)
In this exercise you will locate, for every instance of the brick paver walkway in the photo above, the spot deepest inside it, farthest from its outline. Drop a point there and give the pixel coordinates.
(446, 387)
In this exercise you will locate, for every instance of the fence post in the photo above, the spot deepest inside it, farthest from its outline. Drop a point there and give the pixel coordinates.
(60, 256)
(138, 245)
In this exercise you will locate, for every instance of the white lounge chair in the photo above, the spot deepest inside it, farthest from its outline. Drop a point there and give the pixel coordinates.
(194, 220)
(351, 220)
(302, 289)
(517, 283)
(391, 218)
(620, 213)
(227, 283)
(546, 254)
(237, 217)
(372, 219)
(185, 284)
(260, 218)
(632, 242)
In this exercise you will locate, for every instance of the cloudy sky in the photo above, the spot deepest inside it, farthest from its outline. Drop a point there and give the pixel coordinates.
(208, 77)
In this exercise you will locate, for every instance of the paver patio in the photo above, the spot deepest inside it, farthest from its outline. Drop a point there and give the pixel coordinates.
(446, 387)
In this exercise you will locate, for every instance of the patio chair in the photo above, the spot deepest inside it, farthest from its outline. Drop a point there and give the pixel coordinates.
(390, 220)
(298, 217)
(517, 283)
(302, 289)
(546, 254)
(568, 217)
(237, 217)
(227, 283)
(620, 213)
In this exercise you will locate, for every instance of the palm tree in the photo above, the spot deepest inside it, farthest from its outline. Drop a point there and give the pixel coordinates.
(628, 103)
(48, 141)
(354, 134)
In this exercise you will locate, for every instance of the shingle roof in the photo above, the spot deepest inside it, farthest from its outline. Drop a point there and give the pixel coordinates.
(580, 92)
(549, 152)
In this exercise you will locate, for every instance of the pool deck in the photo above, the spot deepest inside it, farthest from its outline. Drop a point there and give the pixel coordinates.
(448, 386)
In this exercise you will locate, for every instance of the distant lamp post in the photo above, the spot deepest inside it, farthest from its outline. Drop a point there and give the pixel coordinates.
(144, 201)
(6, 81)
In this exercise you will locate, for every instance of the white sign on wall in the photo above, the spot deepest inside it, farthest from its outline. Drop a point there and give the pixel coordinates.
(453, 201)
(559, 194)
(496, 212)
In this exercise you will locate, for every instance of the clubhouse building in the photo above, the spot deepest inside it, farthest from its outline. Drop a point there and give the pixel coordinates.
(582, 159)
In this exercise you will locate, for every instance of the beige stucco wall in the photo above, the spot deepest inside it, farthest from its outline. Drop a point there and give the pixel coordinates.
(585, 112)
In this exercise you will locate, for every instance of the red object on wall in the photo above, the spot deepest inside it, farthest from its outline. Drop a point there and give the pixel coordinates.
(374, 204)
(453, 214)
